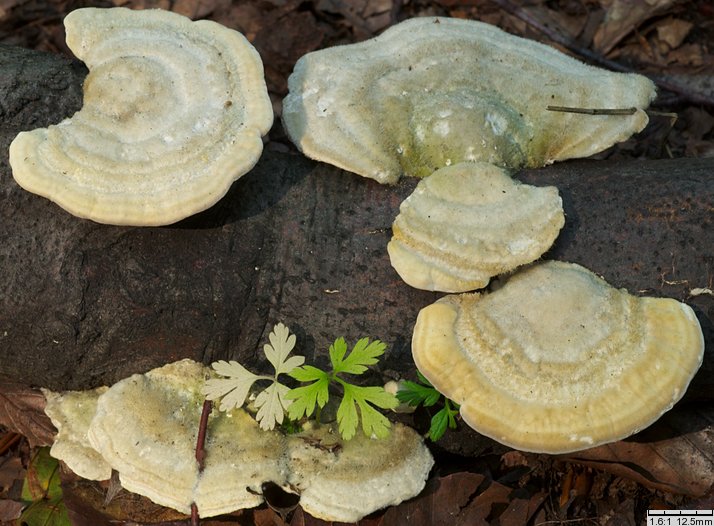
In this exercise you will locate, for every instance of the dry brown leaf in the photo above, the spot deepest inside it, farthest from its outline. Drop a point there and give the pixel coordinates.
(10, 510)
(674, 454)
(623, 17)
(22, 410)
(441, 502)
(673, 31)
(10, 470)
(523, 508)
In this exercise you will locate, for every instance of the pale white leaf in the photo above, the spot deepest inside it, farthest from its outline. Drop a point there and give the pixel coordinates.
(270, 405)
(291, 363)
(234, 389)
(281, 343)
(232, 368)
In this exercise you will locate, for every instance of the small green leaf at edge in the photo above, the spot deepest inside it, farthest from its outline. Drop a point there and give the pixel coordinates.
(306, 397)
(363, 354)
(441, 420)
(337, 351)
(347, 418)
(47, 508)
(374, 423)
(438, 425)
(308, 373)
(42, 479)
(423, 379)
(415, 394)
(46, 513)
(374, 395)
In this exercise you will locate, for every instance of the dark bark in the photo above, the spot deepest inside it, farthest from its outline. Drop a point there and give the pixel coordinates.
(294, 241)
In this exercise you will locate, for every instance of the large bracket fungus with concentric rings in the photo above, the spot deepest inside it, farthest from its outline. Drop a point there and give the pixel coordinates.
(468, 222)
(173, 113)
(430, 92)
(146, 427)
(557, 360)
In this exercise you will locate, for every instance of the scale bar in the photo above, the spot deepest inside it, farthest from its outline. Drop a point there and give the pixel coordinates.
(680, 517)
(655, 513)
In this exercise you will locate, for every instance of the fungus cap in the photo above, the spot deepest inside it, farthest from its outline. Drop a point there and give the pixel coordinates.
(71, 413)
(430, 92)
(468, 222)
(146, 428)
(557, 360)
(359, 476)
(173, 113)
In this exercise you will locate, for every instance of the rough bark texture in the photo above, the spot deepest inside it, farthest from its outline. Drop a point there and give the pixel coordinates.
(85, 304)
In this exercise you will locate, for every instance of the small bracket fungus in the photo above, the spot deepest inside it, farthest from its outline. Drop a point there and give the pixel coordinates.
(358, 476)
(469, 222)
(557, 360)
(71, 413)
(146, 427)
(173, 113)
(430, 92)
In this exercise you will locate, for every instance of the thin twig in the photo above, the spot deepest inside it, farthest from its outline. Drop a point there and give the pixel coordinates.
(593, 111)
(8, 440)
(201, 452)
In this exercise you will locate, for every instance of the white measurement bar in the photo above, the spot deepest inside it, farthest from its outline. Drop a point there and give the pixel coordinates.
(692, 513)
(680, 517)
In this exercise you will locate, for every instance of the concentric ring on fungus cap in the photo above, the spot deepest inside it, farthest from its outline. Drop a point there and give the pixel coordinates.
(173, 113)
(468, 222)
(557, 360)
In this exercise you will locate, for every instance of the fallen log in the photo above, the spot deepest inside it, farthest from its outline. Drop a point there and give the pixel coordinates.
(293, 241)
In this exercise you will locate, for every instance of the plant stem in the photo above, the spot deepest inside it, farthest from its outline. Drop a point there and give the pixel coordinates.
(201, 452)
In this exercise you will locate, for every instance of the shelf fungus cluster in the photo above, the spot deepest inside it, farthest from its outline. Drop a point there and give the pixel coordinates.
(173, 114)
(556, 360)
(146, 426)
(433, 93)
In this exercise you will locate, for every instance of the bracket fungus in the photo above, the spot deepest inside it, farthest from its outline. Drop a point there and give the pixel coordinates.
(430, 92)
(469, 222)
(173, 114)
(361, 476)
(146, 428)
(557, 360)
(71, 413)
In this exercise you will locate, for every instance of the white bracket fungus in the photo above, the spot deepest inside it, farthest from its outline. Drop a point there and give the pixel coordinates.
(557, 360)
(430, 92)
(173, 113)
(146, 427)
(469, 222)
(71, 413)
